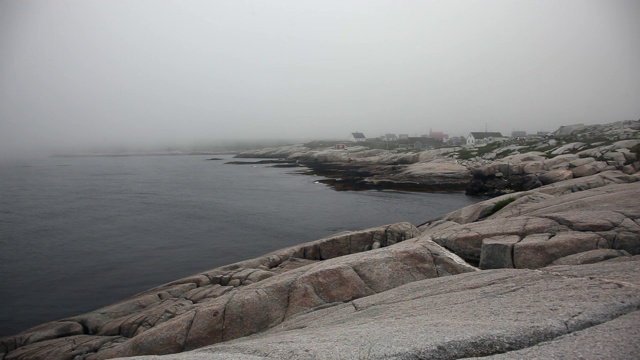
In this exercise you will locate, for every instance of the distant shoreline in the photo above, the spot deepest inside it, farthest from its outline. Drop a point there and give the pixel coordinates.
(146, 154)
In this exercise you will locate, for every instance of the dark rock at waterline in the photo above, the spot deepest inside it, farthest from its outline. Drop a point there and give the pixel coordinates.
(433, 176)
(499, 183)
(262, 162)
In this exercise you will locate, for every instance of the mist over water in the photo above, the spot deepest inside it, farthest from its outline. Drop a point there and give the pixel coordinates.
(80, 233)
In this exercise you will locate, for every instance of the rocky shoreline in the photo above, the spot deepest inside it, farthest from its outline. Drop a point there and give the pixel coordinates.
(550, 272)
(493, 170)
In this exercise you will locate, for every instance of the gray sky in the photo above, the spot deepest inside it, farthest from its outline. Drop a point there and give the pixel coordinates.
(123, 72)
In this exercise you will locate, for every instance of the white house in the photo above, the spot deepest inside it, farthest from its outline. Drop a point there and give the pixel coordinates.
(358, 137)
(483, 138)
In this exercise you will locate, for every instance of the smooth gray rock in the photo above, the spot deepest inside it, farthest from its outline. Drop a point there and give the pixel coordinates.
(560, 162)
(617, 339)
(555, 176)
(589, 257)
(588, 169)
(581, 162)
(533, 167)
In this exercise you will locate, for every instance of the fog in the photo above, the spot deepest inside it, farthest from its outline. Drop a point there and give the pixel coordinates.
(97, 74)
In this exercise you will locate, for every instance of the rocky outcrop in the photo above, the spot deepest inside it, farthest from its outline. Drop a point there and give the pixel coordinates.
(618, 130)
(492, 170)
(545, 225)
(513, 174)
(587, 312)
(435, 173)
(243, 298)
(274, 152)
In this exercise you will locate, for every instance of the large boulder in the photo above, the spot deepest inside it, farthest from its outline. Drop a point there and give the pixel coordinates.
(589, 168)
(533, 167)
(554, 176)
(568, 148)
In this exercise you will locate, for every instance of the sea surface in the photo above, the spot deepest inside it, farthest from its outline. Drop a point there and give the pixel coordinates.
(77, 234)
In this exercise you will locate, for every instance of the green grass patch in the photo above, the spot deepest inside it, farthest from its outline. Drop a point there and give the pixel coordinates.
(489, 148)
(504, 153)
(465, 154)
(502, 203)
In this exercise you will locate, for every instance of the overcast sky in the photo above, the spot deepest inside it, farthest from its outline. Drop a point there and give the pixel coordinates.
(123, 72)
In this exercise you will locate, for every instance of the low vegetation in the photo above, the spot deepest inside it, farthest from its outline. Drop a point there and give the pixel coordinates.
(502, 203)
(465, 154)
(323, 144)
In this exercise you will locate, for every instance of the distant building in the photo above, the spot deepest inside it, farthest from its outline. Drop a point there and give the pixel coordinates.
(482, 138)
(403, 136)
(390, 137)
(358, 137)
(340, 146)
(457, 140)
(438, 135)
(420, 143)
(518, 134)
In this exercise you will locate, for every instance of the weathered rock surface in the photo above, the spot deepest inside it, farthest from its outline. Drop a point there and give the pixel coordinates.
(554, 176)
(590, 257)
(436, 172)
(588, 312)
(243, 298)
(544, 225)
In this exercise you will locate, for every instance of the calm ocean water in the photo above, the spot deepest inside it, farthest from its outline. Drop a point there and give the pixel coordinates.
(80, 233)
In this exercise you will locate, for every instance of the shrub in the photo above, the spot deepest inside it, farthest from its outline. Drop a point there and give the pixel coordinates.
(465, 154)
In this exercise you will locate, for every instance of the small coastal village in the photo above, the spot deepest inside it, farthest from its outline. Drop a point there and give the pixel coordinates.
(545, 265)
(438, 139)
(484, 165)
